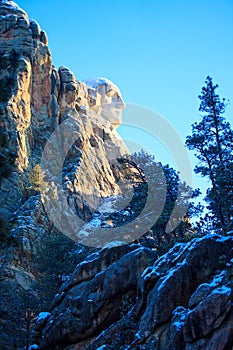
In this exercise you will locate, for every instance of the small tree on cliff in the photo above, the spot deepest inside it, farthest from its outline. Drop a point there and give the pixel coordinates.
(212, 139)
(36, 178)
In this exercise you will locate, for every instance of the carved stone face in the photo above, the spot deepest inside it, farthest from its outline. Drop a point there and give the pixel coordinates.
(112, 103)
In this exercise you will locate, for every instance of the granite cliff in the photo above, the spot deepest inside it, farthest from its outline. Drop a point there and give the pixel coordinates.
(35, 98)
(55, 292)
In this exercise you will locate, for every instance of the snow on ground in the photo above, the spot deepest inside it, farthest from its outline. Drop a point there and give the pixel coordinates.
(114, 244)
(222, 290)
(34, 347)
(42, 315)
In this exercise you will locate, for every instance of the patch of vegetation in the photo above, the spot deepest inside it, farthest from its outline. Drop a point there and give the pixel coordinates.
(17, 310)
(164, 186)
(56, 260)
(165, 247)
(36, 178)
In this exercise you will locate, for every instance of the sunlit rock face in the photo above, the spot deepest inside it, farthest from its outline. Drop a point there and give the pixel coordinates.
(35, 99)
(110, 101)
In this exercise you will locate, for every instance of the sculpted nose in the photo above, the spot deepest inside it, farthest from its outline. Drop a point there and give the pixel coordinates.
(120, 103)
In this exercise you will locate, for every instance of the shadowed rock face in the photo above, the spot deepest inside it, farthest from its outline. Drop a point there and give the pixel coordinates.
(90, 305)
(183, 301)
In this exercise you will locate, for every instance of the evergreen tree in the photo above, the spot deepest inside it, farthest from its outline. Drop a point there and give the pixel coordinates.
(36, 178)
(164, 180)
(212, 139)
(56, 260)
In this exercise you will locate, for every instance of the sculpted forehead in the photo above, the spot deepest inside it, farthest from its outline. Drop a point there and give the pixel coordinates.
(102, 86)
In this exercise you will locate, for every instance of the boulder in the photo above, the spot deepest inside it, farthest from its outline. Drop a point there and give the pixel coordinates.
(90, 306)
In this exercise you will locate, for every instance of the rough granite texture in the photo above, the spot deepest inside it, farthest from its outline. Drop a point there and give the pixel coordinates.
(181, 301)
(35, 98)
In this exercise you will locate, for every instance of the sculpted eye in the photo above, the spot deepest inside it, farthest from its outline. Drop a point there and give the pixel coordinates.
(115, 96)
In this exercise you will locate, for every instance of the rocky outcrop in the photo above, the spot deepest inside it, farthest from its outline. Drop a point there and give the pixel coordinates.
(95, 296)
(182, 301)
(176, 292)
(35, 98)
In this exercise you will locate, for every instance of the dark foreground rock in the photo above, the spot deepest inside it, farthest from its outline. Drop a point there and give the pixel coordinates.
(94, 301)
(181, 302)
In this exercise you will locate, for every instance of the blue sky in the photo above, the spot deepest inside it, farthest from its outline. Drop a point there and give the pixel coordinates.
(158, 52)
